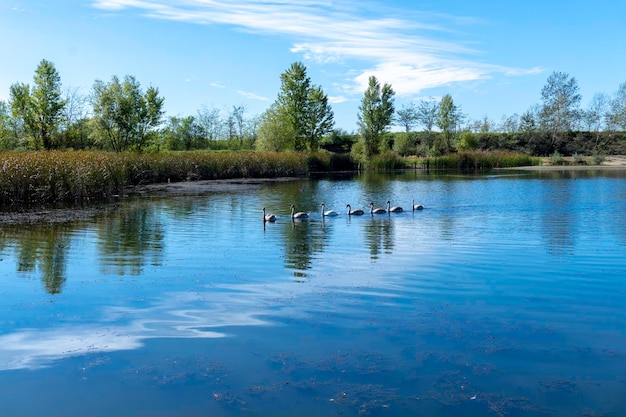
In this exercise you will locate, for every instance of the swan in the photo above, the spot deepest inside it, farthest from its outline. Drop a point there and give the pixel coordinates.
(376, 210)
(328, 213)
(268, 217)
(394, 209)
(417, 206)
(355, 212)
(298, 215)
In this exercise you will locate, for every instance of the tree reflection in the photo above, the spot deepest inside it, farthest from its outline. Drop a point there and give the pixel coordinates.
(379, 235)
(558, 216)
(129, 237)
(42, 248)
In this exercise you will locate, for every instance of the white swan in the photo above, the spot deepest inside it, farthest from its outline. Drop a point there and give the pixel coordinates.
(394, 209)
(268, 217)
(355, 212)
(376, 210)
(417, 206)
(298, 215)
(328, 213)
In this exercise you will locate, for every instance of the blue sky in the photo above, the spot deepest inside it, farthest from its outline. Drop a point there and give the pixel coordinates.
(493, 57)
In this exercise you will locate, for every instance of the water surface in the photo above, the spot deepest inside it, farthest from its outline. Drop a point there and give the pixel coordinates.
(503, 297)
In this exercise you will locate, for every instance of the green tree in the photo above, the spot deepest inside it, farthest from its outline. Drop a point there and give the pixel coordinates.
(375, 114)
(40, 109)
(307, 113)
(449, 117)
(407, 116)
(617, 111)
(124, 116)
(276, 130)
(183, 133)
(560, 108)
(427, 114)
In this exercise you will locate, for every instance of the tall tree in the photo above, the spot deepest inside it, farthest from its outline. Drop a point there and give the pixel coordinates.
(427, 114)
(560, 108)
(124, 116)
(320, 119)
(47, 101)
(449, 118)
(40, 109)
(407, 116)
(276, 130)
(375, 114)
(210, 122)
(306, 107)
(618, 108)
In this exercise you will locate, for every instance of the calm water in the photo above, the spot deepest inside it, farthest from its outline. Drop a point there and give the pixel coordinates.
(505, 296)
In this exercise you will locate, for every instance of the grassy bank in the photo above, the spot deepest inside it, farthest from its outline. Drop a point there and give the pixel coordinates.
(51, 177)
(480, 160)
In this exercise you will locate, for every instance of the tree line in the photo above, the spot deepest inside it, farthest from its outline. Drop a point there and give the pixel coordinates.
(120, 115)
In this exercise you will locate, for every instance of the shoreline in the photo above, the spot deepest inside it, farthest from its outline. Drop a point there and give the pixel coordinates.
(191, 188)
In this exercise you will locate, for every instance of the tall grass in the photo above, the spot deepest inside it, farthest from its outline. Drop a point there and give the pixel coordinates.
(43, 178)
(481, 160)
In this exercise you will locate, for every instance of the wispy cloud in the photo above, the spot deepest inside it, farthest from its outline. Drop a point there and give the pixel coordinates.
(252, 96)
(405, 48)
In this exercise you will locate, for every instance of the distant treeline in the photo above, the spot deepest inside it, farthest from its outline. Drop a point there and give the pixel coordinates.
(420, 144)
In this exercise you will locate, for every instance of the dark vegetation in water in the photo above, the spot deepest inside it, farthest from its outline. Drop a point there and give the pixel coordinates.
(55, 177)
(49, 178)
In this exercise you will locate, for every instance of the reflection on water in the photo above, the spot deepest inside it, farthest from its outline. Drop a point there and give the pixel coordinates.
(130, 237)
(504, 296)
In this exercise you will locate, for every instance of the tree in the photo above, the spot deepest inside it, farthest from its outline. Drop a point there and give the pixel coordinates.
(306, 108)
(41, 108)
(618, 108)
(183, 133)
(375, 114)
(427, 114)
(449, 118)
(276, 130)
(560, 109)
(407, 116)
(74, 123)
(210, 122)
(123, 116)
(319, 120)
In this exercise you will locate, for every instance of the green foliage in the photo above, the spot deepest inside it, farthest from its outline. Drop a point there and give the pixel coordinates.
(448, 120)
(560, 110)
(276, 132)
(40, 109)
(301, 110)
(579, 159)
(124, 116)
(339, 141)
(36, 178)
(556, 158)
(598, 158)
(467, 142)
(386, 161)
(480, 160)
(375, 115)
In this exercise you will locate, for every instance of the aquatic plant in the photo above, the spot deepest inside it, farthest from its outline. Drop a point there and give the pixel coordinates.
(42, 178)
(480, 160)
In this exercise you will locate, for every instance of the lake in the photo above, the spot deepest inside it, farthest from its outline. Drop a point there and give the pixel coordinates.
(504, 296)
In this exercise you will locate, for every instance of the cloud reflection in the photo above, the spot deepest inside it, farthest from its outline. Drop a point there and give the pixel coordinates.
(176, 315)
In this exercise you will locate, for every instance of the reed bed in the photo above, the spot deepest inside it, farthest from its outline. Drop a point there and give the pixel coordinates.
(481, 160)
(52, 177)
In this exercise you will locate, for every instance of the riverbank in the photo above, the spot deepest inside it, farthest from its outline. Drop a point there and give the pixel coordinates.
(613, 162)
(182, 188)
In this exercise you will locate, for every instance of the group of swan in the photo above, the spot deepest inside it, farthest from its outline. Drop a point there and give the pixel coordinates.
(301, 215)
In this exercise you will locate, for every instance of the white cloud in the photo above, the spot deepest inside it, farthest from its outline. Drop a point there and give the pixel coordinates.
(252, 96)
(402, 47)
